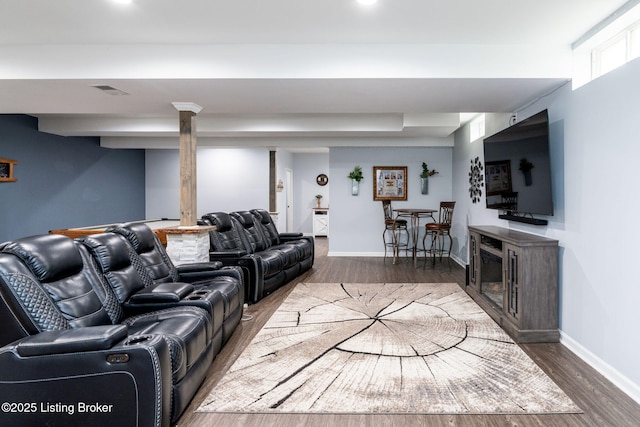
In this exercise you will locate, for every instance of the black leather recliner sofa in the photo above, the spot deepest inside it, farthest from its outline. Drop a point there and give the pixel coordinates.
(152, 260)
(74, 352)
(250, 239)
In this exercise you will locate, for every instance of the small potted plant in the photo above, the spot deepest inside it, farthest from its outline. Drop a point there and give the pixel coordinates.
(318, 199)
(424, 178)
(356, 176)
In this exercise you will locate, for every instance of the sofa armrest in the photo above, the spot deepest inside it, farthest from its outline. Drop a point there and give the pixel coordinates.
(91, 338)
(251, 267)
(162, 292)
(199, 267)
(289, 236)
(129, 384)
(196, 276)
(221, 255)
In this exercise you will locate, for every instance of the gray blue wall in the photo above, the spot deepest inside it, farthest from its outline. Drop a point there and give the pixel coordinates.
(65, 181)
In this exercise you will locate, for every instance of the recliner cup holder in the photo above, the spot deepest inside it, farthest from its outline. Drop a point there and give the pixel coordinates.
(137, 339)
(197, 295)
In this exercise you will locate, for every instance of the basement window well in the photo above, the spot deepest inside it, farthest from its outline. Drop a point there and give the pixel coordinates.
(476, 128)
(607, 46)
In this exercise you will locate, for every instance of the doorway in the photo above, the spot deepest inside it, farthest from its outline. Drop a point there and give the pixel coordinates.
(289, 199)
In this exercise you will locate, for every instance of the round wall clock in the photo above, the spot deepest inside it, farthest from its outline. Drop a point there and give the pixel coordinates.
(322, 179)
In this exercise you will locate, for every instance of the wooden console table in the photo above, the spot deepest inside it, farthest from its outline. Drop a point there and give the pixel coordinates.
(513, 276)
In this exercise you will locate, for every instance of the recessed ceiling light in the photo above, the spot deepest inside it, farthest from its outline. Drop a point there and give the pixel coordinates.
(123, 1)
(367, 2)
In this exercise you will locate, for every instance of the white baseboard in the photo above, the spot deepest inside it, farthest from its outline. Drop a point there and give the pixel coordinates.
(610, 373)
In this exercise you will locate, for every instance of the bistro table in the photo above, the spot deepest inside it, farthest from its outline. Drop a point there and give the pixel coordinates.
(415, 215)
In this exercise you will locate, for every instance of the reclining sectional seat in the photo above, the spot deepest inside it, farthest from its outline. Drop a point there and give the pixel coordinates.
(303, 244)
(67, 339)
(229, 246)
(228, 281)
(239, 239)
(123, 270)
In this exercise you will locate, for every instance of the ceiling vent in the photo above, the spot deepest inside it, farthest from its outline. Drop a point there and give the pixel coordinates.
(110, 90)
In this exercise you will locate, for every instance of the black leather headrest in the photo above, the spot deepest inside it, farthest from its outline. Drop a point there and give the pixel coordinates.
(244, 218)
(262, 215)
(50, 257)
(140, 235)
(110, 250)
(221, 220)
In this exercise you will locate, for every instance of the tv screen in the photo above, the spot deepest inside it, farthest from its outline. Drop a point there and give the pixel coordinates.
(518, 168)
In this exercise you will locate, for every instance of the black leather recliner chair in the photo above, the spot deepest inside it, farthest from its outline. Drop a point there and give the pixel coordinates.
(133, 287)
(228, 281)
(70, 348)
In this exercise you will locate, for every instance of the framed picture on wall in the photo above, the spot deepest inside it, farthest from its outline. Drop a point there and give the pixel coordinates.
(498, 177)
(6, 170)
(389, 183)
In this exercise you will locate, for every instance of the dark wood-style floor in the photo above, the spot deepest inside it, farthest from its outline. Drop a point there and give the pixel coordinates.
(603, 404)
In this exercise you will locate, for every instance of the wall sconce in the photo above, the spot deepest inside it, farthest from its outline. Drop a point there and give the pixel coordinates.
(279, 186)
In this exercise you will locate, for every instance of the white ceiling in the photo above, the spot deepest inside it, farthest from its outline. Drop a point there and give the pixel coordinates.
(299, 74)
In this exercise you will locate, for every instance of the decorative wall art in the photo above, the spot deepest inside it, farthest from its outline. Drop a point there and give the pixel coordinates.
(476, 180)
(389, 183)
(6, 170)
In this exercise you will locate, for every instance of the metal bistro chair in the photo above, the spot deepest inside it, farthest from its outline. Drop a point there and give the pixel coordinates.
(394, 226)
(436, 231)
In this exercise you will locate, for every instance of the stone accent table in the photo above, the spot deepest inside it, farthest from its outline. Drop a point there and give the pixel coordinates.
(188, 244)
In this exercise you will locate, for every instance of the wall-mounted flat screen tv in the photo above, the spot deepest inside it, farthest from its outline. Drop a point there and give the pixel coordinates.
(518, 169)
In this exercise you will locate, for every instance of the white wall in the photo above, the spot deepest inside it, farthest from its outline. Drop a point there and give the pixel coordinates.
(284, 161)
(595, 147)
(357, 222)
(306, 168)
(228, 180)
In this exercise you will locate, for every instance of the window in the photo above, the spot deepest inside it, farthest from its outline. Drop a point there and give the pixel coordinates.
(609, 57)
(476, 128)
(616, 52)
(608, 45)
(635, 42)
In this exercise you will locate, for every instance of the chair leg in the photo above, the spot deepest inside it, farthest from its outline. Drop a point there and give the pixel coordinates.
(433, 248)
(424, 248)
(387, 244)
(450, 245)
(384, 241)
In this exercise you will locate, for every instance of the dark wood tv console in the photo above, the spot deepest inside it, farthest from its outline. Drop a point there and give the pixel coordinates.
(513, 276)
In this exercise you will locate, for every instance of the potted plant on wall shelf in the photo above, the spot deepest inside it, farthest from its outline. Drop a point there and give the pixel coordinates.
(356, 176)
(424, 178)
(318, 199)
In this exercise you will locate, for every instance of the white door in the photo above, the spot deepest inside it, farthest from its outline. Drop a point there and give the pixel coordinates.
(289, 201)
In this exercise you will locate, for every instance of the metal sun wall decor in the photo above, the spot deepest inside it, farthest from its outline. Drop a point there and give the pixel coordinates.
(476, 180)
